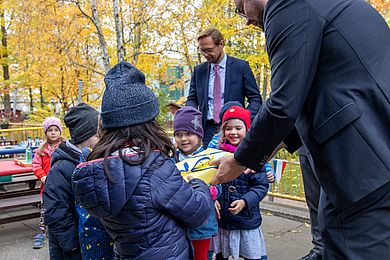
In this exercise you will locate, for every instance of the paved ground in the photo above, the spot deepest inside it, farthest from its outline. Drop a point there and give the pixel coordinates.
(16, 241)
(285, 238)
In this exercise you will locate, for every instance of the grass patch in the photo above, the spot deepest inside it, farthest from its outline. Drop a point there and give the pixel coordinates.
(291, 182)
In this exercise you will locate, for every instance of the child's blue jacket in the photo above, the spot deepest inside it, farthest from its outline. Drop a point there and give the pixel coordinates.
(146, 207)
(210, 227)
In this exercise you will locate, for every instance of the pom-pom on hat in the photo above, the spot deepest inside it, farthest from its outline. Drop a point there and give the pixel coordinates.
(236, 112)
(127, 101)
(51, 121)
(188, 119)
(228, 105)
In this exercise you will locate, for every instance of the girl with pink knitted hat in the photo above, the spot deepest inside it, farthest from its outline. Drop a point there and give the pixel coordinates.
(41, 166)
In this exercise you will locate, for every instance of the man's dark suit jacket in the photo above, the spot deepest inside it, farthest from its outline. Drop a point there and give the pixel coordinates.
(239, 84)
(330, 63)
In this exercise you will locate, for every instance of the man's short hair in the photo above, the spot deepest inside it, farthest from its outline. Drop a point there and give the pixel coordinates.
(213, 33)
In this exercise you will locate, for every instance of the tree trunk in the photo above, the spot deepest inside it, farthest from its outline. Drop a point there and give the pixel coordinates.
(123, 31)
(4, 61)
(30, 94)
(118, 31)
(41, 96)
(62, 99)
(102, 40)
(137, 43)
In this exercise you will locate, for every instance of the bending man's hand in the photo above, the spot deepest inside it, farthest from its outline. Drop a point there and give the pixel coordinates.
(228, 170)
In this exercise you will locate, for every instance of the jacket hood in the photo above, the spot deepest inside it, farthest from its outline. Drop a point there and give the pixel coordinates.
(104, 197)
(65, 152)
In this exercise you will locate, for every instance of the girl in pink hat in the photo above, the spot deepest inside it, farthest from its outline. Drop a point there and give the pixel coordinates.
(41, 166)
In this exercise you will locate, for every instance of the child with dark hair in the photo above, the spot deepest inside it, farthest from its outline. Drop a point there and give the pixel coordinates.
(58, 196)
(188, 133)
(130, 181)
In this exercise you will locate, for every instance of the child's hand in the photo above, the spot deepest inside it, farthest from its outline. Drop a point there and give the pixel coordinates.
(270, 176)
(43, 179)
(237, 206)
(249, 171)
(189, 177)
(217, 207)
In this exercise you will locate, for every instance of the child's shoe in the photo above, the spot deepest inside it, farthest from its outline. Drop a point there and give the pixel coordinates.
(39, 241)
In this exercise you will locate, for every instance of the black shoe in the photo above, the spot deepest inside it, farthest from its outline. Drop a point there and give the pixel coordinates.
(312, 256)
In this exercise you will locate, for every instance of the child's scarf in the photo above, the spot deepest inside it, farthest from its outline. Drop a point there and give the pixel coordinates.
(227, 147)
(182, 156)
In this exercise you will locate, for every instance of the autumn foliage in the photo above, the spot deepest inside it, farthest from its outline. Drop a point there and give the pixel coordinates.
(51, 45)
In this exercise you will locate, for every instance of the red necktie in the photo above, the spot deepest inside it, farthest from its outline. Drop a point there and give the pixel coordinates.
(217, 94)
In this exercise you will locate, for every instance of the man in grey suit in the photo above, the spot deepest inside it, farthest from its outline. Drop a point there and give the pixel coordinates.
(330, 63)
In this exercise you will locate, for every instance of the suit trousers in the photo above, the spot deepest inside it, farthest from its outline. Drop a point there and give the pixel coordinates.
(312, 195)
(359, 231)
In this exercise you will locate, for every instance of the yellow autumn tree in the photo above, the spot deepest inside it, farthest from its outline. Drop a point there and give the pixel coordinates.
(53, 51)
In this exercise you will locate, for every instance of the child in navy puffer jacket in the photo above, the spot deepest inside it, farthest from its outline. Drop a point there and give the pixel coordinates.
(240, 218)
(130, 181)
(58, 195)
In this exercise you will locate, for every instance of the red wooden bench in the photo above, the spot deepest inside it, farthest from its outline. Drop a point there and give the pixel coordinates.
(21, 203)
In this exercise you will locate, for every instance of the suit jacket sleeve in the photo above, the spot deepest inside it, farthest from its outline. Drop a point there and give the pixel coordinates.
(252, 92)
(292, 141)
(192, 99)
(294, 33)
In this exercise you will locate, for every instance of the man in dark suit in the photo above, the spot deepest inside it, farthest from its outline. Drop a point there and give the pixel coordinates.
(219, 80)
(312, 195)
(330, 63)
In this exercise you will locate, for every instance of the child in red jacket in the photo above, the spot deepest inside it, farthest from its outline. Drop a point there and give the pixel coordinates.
(41, 166)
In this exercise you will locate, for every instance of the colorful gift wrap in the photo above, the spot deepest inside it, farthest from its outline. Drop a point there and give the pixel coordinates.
(198, 165)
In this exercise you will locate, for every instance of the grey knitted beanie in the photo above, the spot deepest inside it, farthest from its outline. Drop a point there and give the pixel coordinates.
(82, 122)
(127, 101)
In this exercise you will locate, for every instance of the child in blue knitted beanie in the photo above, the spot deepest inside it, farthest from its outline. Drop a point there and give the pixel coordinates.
(129, 180)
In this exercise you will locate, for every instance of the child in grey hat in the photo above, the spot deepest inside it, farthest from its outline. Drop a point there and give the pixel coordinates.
(58, 197)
